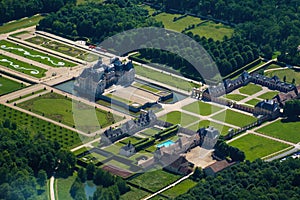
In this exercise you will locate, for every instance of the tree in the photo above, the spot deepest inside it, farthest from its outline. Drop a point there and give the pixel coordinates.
(90, 171)
(292, 108)
(82, 174)
(42, 178)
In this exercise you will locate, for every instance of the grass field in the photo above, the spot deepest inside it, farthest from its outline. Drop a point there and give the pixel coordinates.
(289, 73)
(179, 189)
(155, 180)
(34, 55)
(268, 95)
(257, 147)
(235, 97)
(253, 102)
(8, 85)
(22, 23)
(164, 78)
(213, 30)
(146, 87)
(202, 108)
(22, 67)
(64, 137)
(288, 131)
(176, 117)
(235, 118)
(64, 110)
(205, 123)
(273, 66)
(250, 89)
(64, 186)
(134, 193)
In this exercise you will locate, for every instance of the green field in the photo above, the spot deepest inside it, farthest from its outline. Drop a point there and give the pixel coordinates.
(176, 117)
(145, 87)
(213, 30)
(63, 186)
(257, 147)
(8, 85)
(34, 55)
(253, 102)
(288, 131)
(22, 67)
(273, 66)
(22, 23)
(235, 97)
(64, 137)
(179, 189)
(289, 73)
(202, 108)
(64, 110)
(235, 118)
(205, 123)
(155, 180)
(164, 78)
(250, 89)
(134, 193)
(268, 95)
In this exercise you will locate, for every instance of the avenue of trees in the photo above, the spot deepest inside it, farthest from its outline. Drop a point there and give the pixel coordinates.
(16, 9)
(26, 161)
(251, 181)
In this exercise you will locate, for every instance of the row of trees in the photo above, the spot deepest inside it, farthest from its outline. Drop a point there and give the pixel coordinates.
(222, 150)
(28, 160)
(255, 180)
(16, 9)
(292, 108)
(108, 186)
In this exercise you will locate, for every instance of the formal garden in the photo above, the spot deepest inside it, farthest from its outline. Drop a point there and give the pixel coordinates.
(7, 85)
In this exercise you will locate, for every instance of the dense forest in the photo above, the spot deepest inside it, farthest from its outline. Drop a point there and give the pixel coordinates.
(251, 181)
(27, 161)
(272, 25)
(16, 9)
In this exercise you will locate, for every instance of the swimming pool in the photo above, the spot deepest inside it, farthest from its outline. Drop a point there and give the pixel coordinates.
(165, 143)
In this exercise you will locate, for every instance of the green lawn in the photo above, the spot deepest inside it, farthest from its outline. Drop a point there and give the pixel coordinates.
(257, 147)
(213, 30)
(179, 189)
(273, 66)
(155, 180)
(22, 67)
(126, 101)
(289, 73)
(164, 78)
(202, 108)
(253, 102)
(22, 23)
(66, 138)
(134, 193)
(235, 97)
(205, 123)
(288, 131)
(268, 95)
(234, 118)
(64, 111)
(34, 55)
(64, 186)
(250, 89)
(8, 85)
(146, 87)
(176, 117)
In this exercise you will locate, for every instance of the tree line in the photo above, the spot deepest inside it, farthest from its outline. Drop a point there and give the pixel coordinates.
(16, 9)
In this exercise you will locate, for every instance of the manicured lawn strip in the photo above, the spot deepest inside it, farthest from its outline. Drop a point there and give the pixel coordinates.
(257, 147)
(39, 40)
(19, 33)
(22, 23)
(8, 85)
(268, 95)
(176, 117)
(250, 89)
(202, 108)
(289, 73)
(253, 102)
(89, 57)
(27, 95)
(213, 30)
(145, 87)
(180, 188)
(126, 101)
(234, 118)
(163, 78)
(64, 111)
(273, 66)
(155, 180)
(235, 97)
(35, 53)
(134, 193)
(66, 138)
(64, 186)
(41, 71)
(114, 149)
(132, 139)
(205, 123)
(118, 164)
(288, 131)
(149, 132)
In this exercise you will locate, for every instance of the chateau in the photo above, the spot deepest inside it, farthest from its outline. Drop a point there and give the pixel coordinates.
(95, 79)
